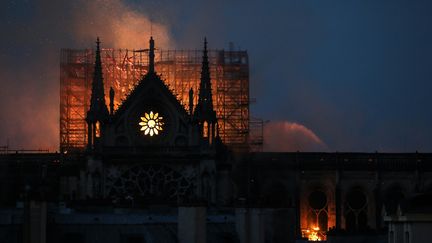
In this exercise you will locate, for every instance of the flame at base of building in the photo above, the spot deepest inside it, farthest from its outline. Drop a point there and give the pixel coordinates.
(314, 234)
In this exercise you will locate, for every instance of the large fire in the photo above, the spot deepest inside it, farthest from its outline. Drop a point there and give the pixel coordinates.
(314, 234)
(179, 69)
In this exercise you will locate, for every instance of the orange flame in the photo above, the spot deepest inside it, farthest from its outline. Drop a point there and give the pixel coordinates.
(313, 234)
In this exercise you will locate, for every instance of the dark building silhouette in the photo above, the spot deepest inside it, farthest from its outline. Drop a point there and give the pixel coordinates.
(157, 170)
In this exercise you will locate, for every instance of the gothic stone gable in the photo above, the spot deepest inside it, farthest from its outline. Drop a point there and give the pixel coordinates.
(151, 96)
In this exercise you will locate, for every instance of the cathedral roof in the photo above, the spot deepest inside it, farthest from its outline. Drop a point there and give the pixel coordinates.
(151, 78)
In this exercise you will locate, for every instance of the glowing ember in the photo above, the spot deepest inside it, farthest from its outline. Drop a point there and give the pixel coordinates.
(314, 234)
(151, 123)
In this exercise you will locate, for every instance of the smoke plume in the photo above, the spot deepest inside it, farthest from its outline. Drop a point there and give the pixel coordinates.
(304, 61)
(118, 25)
(284, 136)
(29, 58)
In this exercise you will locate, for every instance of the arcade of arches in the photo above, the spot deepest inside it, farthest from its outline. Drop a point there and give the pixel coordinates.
(334, 192)
(357, 209)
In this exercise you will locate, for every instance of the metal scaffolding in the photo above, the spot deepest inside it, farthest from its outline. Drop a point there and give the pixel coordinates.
(180, 69)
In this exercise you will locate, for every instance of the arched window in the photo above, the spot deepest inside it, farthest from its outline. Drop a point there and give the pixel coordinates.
(97, 129)
(356, 210)
(205, 129)
(317, 219)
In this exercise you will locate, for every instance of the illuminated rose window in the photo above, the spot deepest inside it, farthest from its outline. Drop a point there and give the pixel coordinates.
(151, 123)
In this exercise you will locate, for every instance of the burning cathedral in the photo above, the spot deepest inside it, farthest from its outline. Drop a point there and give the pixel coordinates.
(167, 152)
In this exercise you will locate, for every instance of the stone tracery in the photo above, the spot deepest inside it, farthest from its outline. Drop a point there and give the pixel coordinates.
(148, 182)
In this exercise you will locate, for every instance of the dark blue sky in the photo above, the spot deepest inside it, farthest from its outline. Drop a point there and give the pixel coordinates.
(356, 73)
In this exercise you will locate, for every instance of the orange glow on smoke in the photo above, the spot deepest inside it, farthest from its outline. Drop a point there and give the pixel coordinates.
(118, 24)
(294, 137)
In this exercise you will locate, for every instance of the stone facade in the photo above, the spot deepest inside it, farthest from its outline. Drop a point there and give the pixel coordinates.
(153, 172)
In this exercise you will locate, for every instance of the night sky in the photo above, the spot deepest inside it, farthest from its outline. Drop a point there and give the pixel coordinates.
(327, 75)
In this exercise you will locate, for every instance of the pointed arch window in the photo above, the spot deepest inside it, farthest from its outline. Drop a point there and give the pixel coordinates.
(317, 218)
(205, 129)
(356, 206)
(97, 129)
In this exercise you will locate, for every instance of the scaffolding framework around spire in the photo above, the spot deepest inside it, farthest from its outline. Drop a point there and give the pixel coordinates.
(180, 69)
